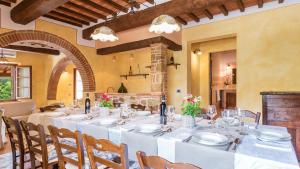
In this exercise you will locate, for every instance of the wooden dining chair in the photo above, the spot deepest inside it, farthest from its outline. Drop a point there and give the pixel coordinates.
(93, 146)
(18, 148)
(40, 147)
(1, 139)
(138, 107)
(252, 115)
(71, 142)
(157, 162)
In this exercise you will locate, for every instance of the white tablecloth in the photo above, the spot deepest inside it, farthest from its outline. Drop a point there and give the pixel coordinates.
(249, 155)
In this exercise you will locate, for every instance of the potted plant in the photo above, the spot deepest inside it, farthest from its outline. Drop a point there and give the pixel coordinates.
(190, 109)
(105, 103)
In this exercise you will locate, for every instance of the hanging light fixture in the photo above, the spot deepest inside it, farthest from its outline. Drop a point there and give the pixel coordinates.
(4, 61)
(164, 24)
(104, 34)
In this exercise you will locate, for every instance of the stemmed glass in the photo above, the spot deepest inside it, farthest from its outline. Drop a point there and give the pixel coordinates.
(228, 117)
(211, 113)
(171, 113)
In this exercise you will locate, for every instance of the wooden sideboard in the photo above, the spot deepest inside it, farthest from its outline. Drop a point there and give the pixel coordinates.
(283, 109)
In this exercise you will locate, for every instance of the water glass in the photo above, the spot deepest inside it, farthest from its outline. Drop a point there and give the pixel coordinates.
(228, 116)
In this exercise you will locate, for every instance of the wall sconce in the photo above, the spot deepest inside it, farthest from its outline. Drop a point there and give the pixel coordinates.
(197, 52)
(114, 59)
(131, 57)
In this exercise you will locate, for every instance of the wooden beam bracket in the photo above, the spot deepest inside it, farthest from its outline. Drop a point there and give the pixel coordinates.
(138, 45)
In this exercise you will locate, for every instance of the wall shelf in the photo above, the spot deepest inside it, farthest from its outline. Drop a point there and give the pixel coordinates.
(169, 64)
(173, 64)
(140, 74)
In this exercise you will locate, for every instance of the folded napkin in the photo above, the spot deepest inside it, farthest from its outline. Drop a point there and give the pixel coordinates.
(274, 146)
(127, 127)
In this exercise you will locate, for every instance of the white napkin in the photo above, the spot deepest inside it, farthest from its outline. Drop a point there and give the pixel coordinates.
(274, 146)
(127, 127)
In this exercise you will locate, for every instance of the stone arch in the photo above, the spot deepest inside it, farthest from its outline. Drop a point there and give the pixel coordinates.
(55, 76)
(72, 53)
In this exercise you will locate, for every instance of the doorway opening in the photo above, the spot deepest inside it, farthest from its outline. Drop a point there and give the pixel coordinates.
(222, 83)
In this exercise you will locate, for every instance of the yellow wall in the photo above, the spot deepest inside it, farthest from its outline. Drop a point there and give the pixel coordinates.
(40, 75)
(66, 85)
(200, 65)
(268, 49)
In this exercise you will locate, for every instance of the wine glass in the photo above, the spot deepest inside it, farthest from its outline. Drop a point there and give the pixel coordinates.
(171, 112)
(228, 117)
(211, 113)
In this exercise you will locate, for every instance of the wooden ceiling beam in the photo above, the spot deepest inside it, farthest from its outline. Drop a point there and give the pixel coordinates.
(33, 49)
(224, 10)
(208, 14)
(134, 3)
(10, 1)
(5, 3)
(150, 1)
(241, 5)
(30, 10)
(260, 3)
(55, 13)
(116, 5)
(145, 17)
(280, 1)
(194, 17)
(138, 45)
(63, 20)
(81, 8)
(97, 6)
(76, 14)
(180, 20)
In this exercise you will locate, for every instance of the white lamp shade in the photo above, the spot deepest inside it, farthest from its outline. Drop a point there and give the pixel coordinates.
(164, 24)
(104, 34)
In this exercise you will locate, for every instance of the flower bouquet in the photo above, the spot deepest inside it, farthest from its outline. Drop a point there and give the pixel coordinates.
(190, 109)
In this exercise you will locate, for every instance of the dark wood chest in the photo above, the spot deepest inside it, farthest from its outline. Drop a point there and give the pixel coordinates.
(283, 109)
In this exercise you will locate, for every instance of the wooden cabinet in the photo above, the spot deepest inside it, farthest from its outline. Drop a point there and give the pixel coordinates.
(283, 109)
(228, 98)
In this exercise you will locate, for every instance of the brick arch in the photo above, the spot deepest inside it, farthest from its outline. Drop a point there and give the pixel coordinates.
(55, 76)
(71, 52)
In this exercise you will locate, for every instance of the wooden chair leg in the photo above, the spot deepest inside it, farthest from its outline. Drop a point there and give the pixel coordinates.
(22, 161)
(14, 156)
(32, 161)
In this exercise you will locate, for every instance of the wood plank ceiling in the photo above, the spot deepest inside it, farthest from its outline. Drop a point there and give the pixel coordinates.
(84, 12)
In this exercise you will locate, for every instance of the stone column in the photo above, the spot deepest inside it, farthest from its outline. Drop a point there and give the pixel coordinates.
(159, 53)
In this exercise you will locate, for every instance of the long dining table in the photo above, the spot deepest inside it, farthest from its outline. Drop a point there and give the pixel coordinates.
(177, 144)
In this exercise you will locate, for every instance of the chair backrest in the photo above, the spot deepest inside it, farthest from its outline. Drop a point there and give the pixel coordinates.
(250, 114)
(1, 139)
(160, 163)
(138, 107)
(93, 145)
(60, 138)
(36, 141)
(15, 133)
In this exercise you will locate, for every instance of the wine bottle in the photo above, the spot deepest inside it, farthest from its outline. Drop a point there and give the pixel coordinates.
(87, 104)
(130, 71)
(163, 108)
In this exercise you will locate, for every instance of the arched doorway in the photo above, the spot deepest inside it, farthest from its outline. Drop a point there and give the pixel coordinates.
(72, 55)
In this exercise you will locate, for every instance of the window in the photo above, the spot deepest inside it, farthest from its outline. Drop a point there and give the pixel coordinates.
(24, 82)
(78, 88)
(6, 83)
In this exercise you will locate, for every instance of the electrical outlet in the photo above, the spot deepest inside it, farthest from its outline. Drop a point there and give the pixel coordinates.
(178, 91)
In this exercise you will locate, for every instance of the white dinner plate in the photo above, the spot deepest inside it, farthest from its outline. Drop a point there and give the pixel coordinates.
(143, 113)
(273, 135)
(211, 139)
(148, 128)
(76, 117)
(108, 121)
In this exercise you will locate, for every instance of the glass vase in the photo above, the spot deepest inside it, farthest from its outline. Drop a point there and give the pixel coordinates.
(188, 121)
